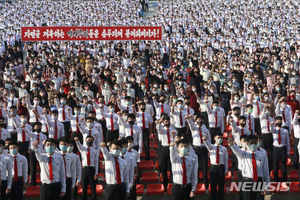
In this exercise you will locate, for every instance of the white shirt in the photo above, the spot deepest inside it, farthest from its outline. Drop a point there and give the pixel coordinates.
(250, 122)
(57, 166)
(158, 109)
(137, 134)
(51, 128)
(176, 117)
(264, 123)
(223, 154)
(237, 132)
(33, 136)
(162, 134)
(296, 125)
(99, 114)
(110, 169)
(30, 107)
(22, 166)
(287, 117)
(12, 101)
(116, 120)
(255, 108)
(212, 118)
(285, 141)
(4, 134)
(136, 154)
(78, 166)
(246, 158)
(196, 133)
(69, 166)
(85, 131)
(94, 156)
(19, 130)
(62, 108)
(131, 163)
(177, 170)
(189, 110)
(6, 172)
(75, 119)
(147, 117)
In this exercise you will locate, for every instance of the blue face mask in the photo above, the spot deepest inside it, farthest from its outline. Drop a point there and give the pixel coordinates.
(183, 151)
(180, 106)
(115, 153)
(219, 141)
(63, 102)
(253, 147)
(123, 150)
(127, 103)
(50, 149)
(112, 110)
(77, 112)
(13, 151)
(70, 149)
(216, 108)
(63, 148)
(89, 125)
(259, 144)
(0, 149)
(257, 98)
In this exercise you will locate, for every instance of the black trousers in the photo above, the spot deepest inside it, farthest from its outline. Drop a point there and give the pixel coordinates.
(181, 131)
(164, 164)
(33, 168)
(213, 131)
(132, 193)
(280, 154)
(112, 135)
(296, 154)
(13, 136)
(165, 58)
(4, 196)
(50, 191)
(67, 126)
(146, 143)
(256, 194)
(180, 192)
(68, 190)
(267, 144)
(23, 149)
(88, 179)
(136, 147)
(235, 163)
(104, 128)
(115, 192)
(74, 195)
(16, 189)
(202, 154)
(217, 179)
(240, 179)
(257, 126)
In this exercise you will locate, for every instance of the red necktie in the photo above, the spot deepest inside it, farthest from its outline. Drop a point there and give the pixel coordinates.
(63, 113)
(0, 134)
(36, 119)
(283, 115)
(144, 126)
(165, 50)
(112, 122)
(65, 164)
(242, 132)
(131, 132)
(90, 132)
(258, 111)
(127, 108)
(254, 167)
(16, 170)
(1, 113)
(168, 136)
(184, 177)
(250, 123)
(200, 134)
(50, 169)
(88, 157)
(103, 116)
(38, 138)
(23, 136)
(218, 156)
(77, 128)
(181, 123)
(237, 122)
(216, 119)
(188, 110)
(162, 108)
(55, 131)
(268, 124)
(46, 128)
(279, 137)
(118, 173)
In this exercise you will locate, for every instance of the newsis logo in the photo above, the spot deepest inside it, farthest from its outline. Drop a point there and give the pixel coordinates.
(259, 186)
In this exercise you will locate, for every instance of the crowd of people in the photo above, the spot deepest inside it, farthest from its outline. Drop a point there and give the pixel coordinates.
(220, 64)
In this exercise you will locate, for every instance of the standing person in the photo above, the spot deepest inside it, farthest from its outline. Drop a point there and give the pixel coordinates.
(6, 172)
(216, 119)
(296, 124)
(167, 135)
(19, 172)
(33, 109)
(198, 132)
(55, 128)
(179, 117)
(52, 176)
(69, 167)
(145, 121)
(117, 178)
(63, 113)
(255, 167)
(184, 170)
(281, 148)
(257, 108)
(219, 166)
(90, 163)
(250, 118)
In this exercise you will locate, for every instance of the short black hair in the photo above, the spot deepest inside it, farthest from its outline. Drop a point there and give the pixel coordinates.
(124, 141)
(125, 111)
(166, 118)
(278, 118)
(51, 140)
(89, 136)
(37, 123)
(182, 141)
(2, 142)
(251, 137)
(242, 117)
(117, 143)
(249, 106)
(54, 111)
(236, 108)
(64, 139)
(131, 115)
(128, 98)
(129, 138)
(91, 118)
(77, 107)
(111, 104)
(14, 143)
(215, 101)
(199, 116)
(243, 137)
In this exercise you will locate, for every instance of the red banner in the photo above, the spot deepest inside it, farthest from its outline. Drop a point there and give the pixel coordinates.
(66, 33)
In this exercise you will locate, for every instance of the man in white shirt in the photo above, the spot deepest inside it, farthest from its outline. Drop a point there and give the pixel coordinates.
(178, 117)
(296, 124)
(6, 172)
(52, 176)
(63, 113)
(19, 172)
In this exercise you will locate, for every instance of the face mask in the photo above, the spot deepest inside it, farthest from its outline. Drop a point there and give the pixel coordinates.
(292, 96)
(61, 91)
(123, 151)
(63, 147)
(236, 99)
(278, 89)
(183, 151)
(77, 112)
(219, 141)
(167, 89)
(131, 122)
(89, 125)
(244, 145)
(38, 130)
(180, 106)
(194, 89)
(89, 143)
(70, 149)
(23, 120)
(36, 102)
(111, 110)
(127, 103)
(265, 91)
(215, 108)
(0, 149)
(252, 147)
(250, 111)
(115, 153)
(13, 151)
(63, 101)
(257, 98)
(259, 144)
(278, 124)
(283, 106)
(54, 117)
(50, 149)
(143, 109)
(130, 145)
(243, 125)
(167, 125)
